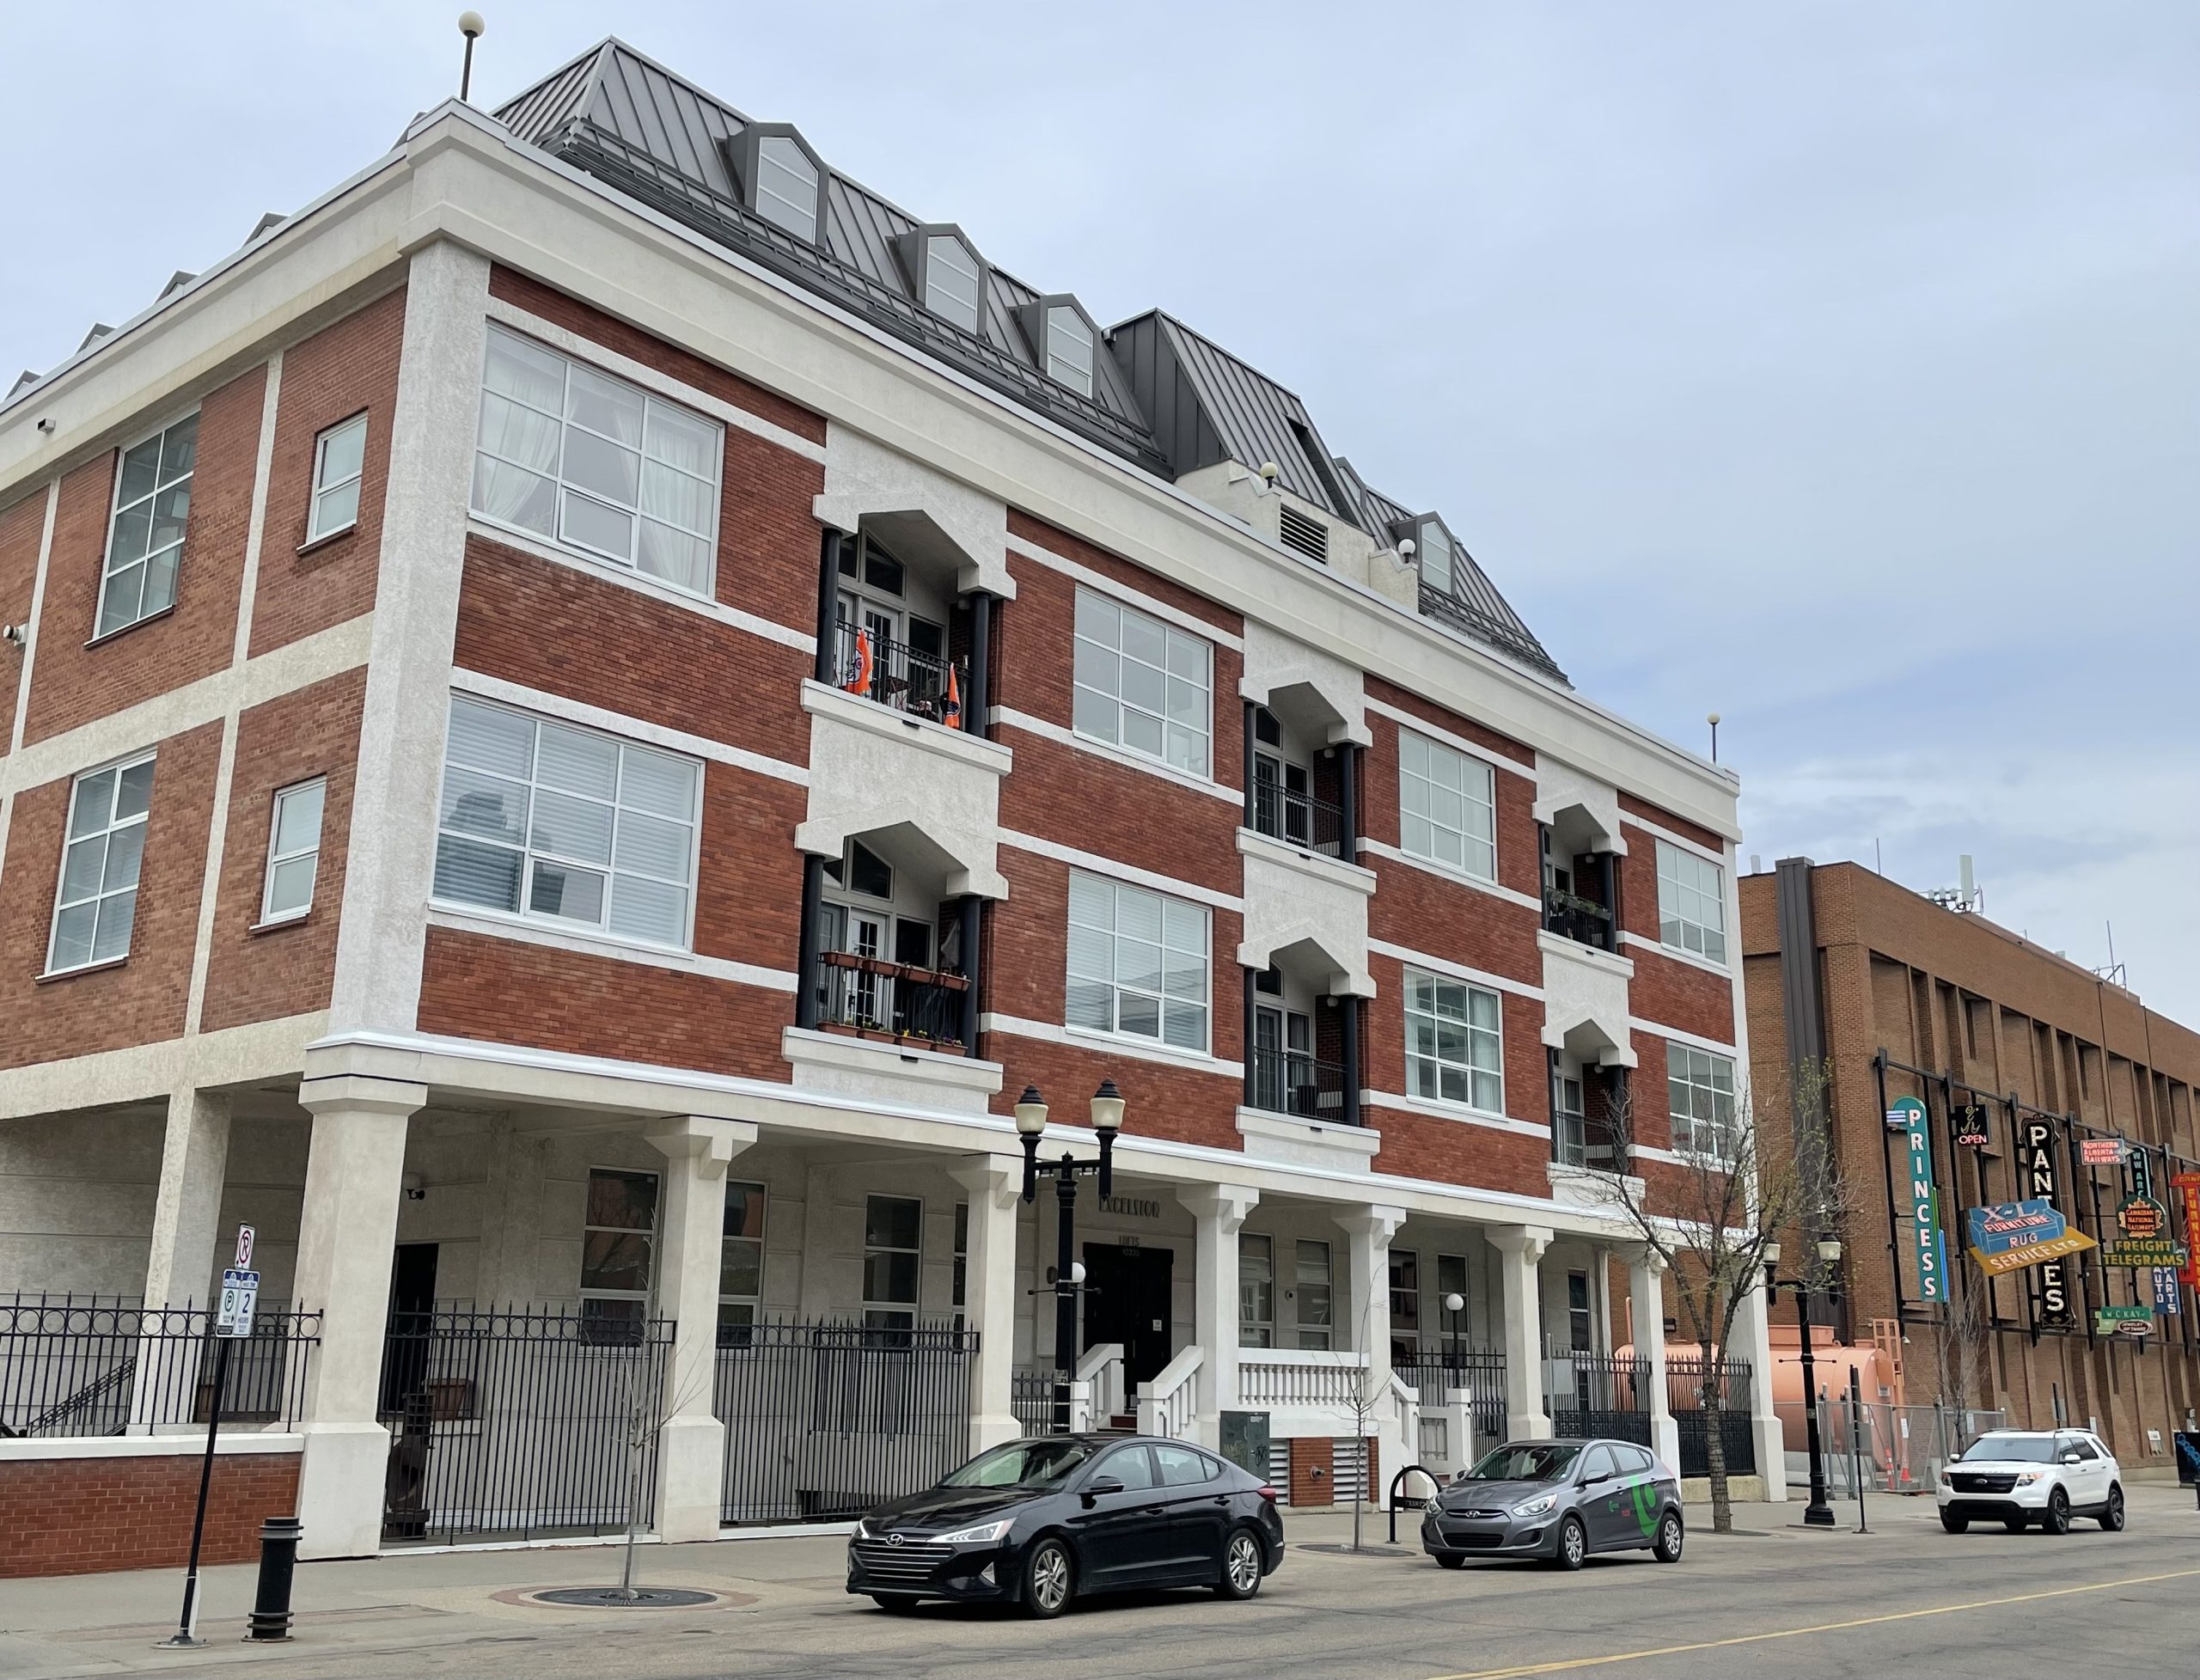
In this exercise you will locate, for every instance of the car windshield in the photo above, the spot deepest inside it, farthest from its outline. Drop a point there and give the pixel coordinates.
(2027, 1449)
(1542, 1461)
(1032, 1464)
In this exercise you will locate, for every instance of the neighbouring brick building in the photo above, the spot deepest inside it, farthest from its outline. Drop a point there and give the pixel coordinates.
(597, 701)
(1904, 998)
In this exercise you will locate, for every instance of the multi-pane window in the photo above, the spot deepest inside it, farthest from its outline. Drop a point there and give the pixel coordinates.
(544, 820)
(1434, 546)
(340, 458)
(1255, 1289)
(1405, 1303)
(892, 1243)
(951, 281)
(152, 504)
(1455, 1050)
(98, 898)
(741, 1263)
(1313, 1285)
(1447, 809)
(786, 185)
(961, 1258)
(1138, 962)
(1569, 1122)
(293, 851)
(1700, 1096)
(586, 460)
(1142, 684)
(1069, 349)
(618, 1246)
(1691, 903)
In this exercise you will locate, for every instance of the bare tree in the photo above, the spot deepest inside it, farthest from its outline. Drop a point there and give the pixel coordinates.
(1740, 1183)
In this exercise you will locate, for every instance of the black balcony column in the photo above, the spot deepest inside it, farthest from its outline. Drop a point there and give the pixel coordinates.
(1348, 1051)
(981, 697)
(828, 608)
(1608, 890)
(1252, 818)
(970, 910)
(1616, 1104)
(807, 974)
(1252, 980)
(1348, 803)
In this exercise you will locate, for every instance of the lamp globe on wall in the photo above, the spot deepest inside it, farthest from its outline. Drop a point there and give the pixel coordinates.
(1107, 1120)
(1030, 1122)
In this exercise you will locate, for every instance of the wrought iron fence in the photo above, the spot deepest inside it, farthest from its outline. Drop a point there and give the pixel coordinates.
(891, 999)
(1688, 1376)
(1291, 1082)
(84, 1364)
(1583, 921)
(1035, 1397)
(828, 1418)
(1297, 819)
(1480, 1370)
(906, 679)
(519, 1422)
(1598, 1394)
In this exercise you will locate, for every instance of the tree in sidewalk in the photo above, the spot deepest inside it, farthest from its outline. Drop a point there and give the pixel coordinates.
(1709, 1219)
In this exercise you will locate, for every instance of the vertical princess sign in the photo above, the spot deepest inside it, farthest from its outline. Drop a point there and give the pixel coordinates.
(1908, 1116)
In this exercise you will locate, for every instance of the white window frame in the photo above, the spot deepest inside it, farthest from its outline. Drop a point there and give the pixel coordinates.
(914, 1306)
(1177, 648)
(965, 264)
(106, 832)
(798, 217)
(561, 487)
(1077, 374)
(1472, 1069)
(528, 851)
(1161, 996)
(269, 916)
(726, 1240)
(644, 1294)
(324, 486)
(1682, 897)
(1313, 1337)
(117, 508)
(1418, 755)
(1695, 1071)
(1264, 1327)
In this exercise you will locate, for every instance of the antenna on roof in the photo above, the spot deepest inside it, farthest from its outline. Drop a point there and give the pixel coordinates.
(1968, 899)
(470, 26)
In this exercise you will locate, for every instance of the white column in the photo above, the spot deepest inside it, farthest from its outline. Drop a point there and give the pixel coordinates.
(194, 1160)
(1219, 1212)
(1520, 1252)
(691, 1241)
(347, 1234)
(994, 1184)
(1645, 1279)
(1367, 1261)
(1752, 1342)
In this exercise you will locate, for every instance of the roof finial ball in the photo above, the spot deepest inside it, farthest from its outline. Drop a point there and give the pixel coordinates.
(470, 26)
(1270, 472)
(1712, 719)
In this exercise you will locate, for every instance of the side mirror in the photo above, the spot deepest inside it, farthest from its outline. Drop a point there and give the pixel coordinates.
(1102, 1484)
(2072, 1459)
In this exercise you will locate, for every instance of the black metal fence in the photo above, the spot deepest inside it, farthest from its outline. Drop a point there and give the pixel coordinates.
(894, 1000)
(1297, 819)
(518, 1423)
(1291, 1082)
(905, 678)
(84, 1364)
(1685, 1382)
(1034, 1395)
(826, 1418)
(1599, 1394)
(1480, 1370)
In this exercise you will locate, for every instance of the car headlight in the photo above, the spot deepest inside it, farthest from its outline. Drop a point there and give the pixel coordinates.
(2025, 1478)
(1536, 1507)
(978, 1536)
(863, 1528)
(1433, 1507)
(1944, 1472)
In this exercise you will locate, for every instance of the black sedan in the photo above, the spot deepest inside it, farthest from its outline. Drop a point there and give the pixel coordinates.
(1038, 1522)
(1558, 1501)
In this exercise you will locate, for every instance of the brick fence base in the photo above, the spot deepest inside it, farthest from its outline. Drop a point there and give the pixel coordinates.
(78, 1515)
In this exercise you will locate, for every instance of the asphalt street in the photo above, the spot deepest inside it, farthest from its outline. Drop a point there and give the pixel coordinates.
(1773, 1601)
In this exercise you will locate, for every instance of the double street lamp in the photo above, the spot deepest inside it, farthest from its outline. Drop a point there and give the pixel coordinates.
(1069, 1276)
(1818, 1513)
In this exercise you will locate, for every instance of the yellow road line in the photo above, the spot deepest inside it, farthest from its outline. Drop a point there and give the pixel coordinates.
(1562, 1667)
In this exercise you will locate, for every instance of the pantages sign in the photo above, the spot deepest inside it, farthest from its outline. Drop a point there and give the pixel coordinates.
(2039, 1180)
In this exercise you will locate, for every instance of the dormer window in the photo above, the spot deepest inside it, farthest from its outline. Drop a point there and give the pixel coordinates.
(1069, 348)
(945, 273)
(1434, 550)
(780, 177)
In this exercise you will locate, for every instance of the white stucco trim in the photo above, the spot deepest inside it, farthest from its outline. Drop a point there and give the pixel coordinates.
(858, 711)
(872, 1068)
(1293, 1137)
(1123, 1044)
(623, 723)
(1658, 1030)
(28, 654)
(1724, 859)
(1101, 584)
(1094, 864)
(629, 578)
(1559, 787)
(496, 924)
(1495, 890)
(1450, 970)
(1333, 871)
(1458, 1112)
(1457, 743)
(1689, 959)
(1009, 717)
(257, 1051)
(230, 1441)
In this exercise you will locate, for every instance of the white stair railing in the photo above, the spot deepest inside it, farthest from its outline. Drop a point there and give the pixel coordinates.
(1269, 1378)
(1102, 1367)
(1406, 1399)
(1166, 1406)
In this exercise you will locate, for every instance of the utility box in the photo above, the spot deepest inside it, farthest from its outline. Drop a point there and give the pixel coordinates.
(1246, 1441)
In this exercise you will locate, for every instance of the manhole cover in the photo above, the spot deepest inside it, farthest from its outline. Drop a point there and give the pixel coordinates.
(617, 1598)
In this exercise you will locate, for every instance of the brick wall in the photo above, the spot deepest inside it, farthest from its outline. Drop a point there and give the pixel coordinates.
(73, 683)
(141, 999)
(79, 1515)
(1313, 1470)
(348, 368)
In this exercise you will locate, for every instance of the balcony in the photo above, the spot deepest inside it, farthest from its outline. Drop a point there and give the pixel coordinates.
(1291, 1082)
(871, 998)
(1297, 819)
(900, 677)
(1583, 921)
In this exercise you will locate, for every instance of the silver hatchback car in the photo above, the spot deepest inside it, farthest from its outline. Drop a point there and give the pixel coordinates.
(1557, 1500)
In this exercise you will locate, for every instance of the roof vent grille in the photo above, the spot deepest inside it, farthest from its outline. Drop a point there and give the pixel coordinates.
(1305, 533)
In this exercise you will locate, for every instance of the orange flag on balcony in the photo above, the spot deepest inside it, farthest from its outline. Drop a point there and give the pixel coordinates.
(857, 681)
(951, 713)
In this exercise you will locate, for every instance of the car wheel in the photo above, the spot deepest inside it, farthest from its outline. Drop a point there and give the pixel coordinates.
(2056, 1519)
(1668, 1546)
(2112, 1514)
(1953, 1523)
(1241, 1565)
(1050, 1581)
(894, 1602)
(1572, 1544)
(2016, 1524)
(1450, 1560)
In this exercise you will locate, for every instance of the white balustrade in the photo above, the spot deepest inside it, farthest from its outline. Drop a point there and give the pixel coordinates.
(1168, 1405)
(1273, 1378)
(1102, 1367)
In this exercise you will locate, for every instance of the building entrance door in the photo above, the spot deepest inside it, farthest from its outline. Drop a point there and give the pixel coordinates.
(1127, 1299)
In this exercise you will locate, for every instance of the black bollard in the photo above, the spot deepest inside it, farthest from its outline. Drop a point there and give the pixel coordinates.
(279, 1561)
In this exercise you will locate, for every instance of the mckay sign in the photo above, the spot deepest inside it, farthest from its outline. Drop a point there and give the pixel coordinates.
(2011, 1234)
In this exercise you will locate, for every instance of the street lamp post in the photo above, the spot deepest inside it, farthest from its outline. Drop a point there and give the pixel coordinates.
(1454, 1304)
(1069, 1276)
(1818, 1513)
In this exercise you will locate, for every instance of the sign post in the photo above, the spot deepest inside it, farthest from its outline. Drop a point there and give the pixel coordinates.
(240, 1297)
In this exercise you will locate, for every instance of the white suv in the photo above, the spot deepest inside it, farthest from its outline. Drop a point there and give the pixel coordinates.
(2045, 1476)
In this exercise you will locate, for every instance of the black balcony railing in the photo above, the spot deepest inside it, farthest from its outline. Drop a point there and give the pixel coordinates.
(871, 997)
(1291, 1082)
(1583, 921)
(1297, 819)
(905, 678)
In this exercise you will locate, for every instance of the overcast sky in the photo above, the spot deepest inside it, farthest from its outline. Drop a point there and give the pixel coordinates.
(1830, 366)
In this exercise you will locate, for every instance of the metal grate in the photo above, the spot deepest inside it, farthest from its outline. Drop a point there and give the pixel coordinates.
(1303, 532)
